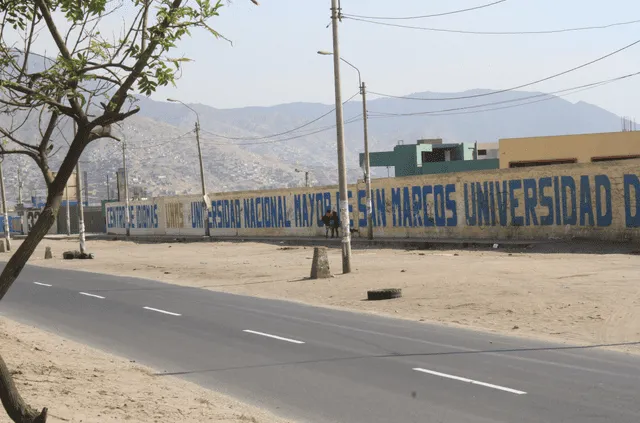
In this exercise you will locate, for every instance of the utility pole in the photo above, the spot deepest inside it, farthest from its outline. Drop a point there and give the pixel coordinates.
(81, 235)
(83, 246)
(108, 189)
(7, 230)
(367, 162)
(126, 188)
(86, 187)
(306, 176)
(21, 205)
(342, 169)
(205, 198)
(68, 206)
(205, 210)
(367, 167)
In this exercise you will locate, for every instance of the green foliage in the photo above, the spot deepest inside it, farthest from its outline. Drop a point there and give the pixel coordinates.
(76, 10)
(91, 57)
(18, 13)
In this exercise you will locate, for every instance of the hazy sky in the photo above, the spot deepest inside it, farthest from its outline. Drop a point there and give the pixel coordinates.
(273, 59)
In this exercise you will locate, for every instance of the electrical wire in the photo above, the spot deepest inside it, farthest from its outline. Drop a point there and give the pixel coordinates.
(466, 110)
(327, 128)
(460, 31)
(281, 133)
(348, 15)
(516, 87)
(166, 141)
(477, 106)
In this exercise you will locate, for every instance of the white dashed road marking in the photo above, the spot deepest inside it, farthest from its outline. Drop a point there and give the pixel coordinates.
(162, 311)
(42, 284)
(91, 295)
(471, 381)
(293, 341)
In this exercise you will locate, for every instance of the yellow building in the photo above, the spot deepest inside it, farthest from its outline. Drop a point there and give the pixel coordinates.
(585, 148)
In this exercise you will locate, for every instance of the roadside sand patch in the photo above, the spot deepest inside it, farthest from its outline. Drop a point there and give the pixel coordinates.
(82, 384)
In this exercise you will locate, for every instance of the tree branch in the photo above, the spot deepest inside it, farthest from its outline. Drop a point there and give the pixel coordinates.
(5, 152)
(17, 141)
(120, 96)
(29, 91)
(28, 44)
(53, 121)
(109, 119)
(62, 48)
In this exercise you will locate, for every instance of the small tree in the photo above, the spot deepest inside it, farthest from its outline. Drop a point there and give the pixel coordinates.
(89, 84)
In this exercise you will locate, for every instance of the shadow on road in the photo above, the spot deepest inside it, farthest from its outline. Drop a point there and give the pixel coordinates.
(393, 355)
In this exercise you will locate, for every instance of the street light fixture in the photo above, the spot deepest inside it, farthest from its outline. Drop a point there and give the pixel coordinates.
(328, 53)
(367, 163)
(205, 199)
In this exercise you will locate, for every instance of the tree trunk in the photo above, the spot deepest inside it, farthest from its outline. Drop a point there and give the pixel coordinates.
(16, 408)
(13, 403)
(19, 259)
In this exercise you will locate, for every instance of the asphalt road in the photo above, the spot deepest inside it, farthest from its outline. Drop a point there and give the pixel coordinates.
(319, 365)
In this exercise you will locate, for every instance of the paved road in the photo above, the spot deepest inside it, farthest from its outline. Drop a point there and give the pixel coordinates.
(320, 365)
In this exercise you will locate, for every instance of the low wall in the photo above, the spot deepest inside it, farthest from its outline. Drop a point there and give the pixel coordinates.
(14, 224)
(596, 201)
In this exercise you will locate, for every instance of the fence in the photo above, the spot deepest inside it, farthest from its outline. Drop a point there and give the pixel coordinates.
(596, 200)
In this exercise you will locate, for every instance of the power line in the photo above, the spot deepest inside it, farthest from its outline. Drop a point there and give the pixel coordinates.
(327, 128)
(460, 31)
(347, 15)
(467, 112)
(516, 87)
(477, 106)
(281, 133)
(167, 141)
(550, 96)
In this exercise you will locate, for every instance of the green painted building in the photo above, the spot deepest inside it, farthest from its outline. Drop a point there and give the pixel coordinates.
(428, 157)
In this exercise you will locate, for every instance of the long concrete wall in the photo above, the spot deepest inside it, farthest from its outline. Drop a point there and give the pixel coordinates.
(597, 201)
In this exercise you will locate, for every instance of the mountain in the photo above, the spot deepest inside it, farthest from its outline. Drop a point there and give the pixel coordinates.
(162, 153)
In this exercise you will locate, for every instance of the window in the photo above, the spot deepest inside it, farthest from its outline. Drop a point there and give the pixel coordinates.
(612, 158)
(541, 163)
(434, 156)
(482, 152)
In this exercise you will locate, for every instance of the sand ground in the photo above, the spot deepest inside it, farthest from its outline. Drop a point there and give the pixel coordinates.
(579, 297)
(81, 384)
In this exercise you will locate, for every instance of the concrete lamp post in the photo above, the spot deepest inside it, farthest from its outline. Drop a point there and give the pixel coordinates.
(342, 167)
(367, 163)
(205, 199)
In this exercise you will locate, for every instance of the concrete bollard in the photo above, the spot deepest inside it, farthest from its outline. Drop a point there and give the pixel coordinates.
(48, 255)
(320, 266)
(3, 246)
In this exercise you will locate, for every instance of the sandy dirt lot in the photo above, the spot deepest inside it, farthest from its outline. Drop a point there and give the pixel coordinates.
(579, 298)
(81, 384)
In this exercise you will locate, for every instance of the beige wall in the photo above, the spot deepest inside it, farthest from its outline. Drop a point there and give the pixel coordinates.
(580, 147)
(594, 200)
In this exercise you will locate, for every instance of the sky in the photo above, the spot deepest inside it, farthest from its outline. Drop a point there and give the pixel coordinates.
(273, 59)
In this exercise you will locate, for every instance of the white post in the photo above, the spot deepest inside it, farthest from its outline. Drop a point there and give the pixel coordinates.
(7, 230)
(83, 246)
